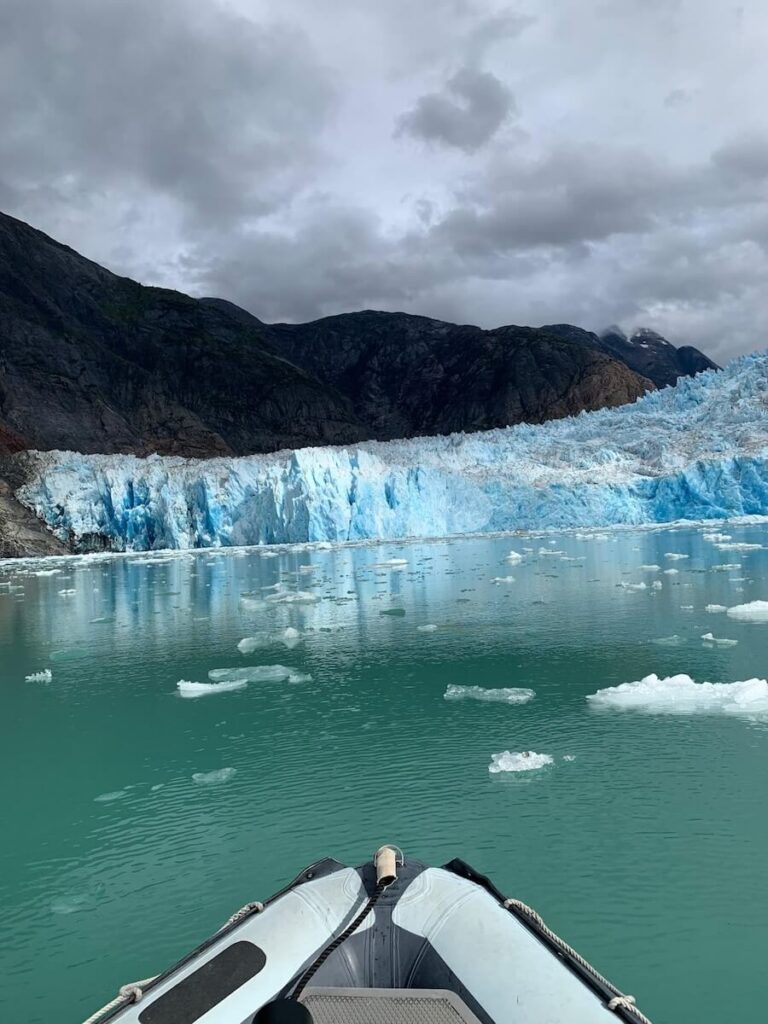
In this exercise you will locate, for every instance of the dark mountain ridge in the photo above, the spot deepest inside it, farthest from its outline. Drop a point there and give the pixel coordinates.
(95, 362)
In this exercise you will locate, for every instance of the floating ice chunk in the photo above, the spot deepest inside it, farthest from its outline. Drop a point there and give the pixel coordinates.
(188, 689)
(214, 778)
(503, 694)
(739, 547)
(754, 611)
(715, 608)
(429, 627)
(249, 644)
(290, 637)
(716, 538)
(569, 757)
(681, 695)
(391, 563)
(632, 586)
(108, 798)
(518, 761)
(686, 607)
(650, 568)
(293, 597)
(675, 556)
(667, 641)
(671, 572)
(657, 585)
(253, 674)
(299, 677)
(40, 677)
(513, 557)
(395, 612)
(46, 572)
(725, 567)
(546, 551)
(718, 640)
(67, 593)
(253, 603)
(503, 579)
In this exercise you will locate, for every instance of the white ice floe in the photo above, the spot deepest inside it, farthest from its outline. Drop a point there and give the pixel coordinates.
(503, 579)
(40, 677)
(187, 689)
(657, 585)
(428, 627)
(214, 778)
(720, 641)
(252, 674)
(290, 637)
(667, 641)
(739, 547)
(753, 611)
(293, 597)
(715, 608)
(503, 694)
(518, 761)
(67, 592)
(391, 563)
(249, 644)
(682, 695)
(650, 568)
(725, 567)
(299, 677)
(716, 538)
(513, 557)
(671, 572)
(108, 798)
(547, 551)
(675, 556)
(632, 586)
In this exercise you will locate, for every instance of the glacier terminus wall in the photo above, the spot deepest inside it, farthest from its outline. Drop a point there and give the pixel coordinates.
(696, 450)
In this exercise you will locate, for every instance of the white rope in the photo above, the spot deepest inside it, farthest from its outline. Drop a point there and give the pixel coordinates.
(244, 911)
(133, 992)
(619, 1001)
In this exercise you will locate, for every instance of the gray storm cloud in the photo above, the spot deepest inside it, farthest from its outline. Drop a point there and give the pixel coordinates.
(590, 161)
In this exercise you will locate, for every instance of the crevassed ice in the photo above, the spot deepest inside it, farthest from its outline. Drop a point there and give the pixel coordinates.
(506, 694)
(682, 695)
(698, 450)
(518, 761)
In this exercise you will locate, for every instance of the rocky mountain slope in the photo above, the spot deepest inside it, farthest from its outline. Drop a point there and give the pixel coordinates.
(96, 363)
(410, 375)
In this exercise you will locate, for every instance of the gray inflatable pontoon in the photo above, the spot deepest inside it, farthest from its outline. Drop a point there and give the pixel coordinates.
(390, 942)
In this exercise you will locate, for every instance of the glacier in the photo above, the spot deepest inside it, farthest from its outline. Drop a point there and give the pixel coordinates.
(698, 450)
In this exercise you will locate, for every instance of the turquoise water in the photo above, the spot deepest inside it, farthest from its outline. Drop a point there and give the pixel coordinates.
(647, 850)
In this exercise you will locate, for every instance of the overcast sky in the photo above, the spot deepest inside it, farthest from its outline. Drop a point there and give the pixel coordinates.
(583, 161)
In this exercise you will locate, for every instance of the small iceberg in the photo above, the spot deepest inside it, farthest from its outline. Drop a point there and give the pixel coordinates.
(518, 761)
(682, 695)
(242, 676)
(503, 579)
(721, 641)
(504, 694)
(40, 677)
(754, 611)
(675, 556)
(715, 608)
(214, 778)
(428, 627)
(188, 689)
(108, 798)
(513, 557)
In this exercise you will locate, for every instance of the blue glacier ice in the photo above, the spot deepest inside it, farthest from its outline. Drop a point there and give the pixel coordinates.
(697, 451)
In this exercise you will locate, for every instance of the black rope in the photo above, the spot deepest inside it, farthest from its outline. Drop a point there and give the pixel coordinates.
(310, 972)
